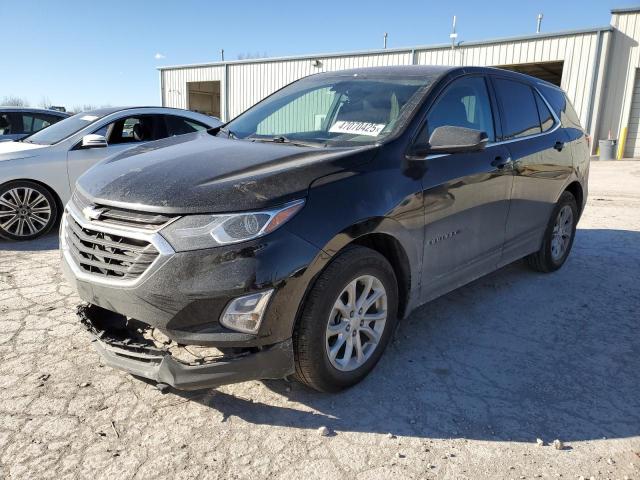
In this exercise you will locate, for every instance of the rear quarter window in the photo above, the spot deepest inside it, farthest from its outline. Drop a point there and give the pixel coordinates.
(561, 105)
(546, 118)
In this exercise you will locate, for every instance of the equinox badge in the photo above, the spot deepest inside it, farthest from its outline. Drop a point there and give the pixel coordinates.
(444, 236)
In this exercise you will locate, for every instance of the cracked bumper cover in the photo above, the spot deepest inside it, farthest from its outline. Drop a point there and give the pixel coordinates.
(139, 358)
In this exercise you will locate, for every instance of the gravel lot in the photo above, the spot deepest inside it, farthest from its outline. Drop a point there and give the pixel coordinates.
(468, 385)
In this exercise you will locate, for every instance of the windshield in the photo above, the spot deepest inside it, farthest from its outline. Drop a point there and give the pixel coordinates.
(62, 129)
(331, 110)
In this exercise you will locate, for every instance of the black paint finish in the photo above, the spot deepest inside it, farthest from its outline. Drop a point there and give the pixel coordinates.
(202, 173)
(442, 221)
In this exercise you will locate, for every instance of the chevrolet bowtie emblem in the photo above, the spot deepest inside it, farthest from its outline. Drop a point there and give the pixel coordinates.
(92, 213)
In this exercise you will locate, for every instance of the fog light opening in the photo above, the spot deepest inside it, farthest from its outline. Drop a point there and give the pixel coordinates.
(244, 314)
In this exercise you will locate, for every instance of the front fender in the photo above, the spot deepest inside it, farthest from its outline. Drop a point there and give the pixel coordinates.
(50, 171)
(359, 204)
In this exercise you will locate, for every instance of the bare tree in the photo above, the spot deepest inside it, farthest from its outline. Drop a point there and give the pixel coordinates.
(45, 102)
(84, 108)
(14, 101)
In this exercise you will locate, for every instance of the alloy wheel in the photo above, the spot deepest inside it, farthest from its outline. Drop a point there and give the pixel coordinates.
(562, 231)
(24, 211)
(356, 323)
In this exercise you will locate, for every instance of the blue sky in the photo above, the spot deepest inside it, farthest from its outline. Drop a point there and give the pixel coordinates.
(81, 52)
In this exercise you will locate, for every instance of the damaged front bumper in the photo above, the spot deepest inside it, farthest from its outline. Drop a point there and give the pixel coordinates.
(130, 345)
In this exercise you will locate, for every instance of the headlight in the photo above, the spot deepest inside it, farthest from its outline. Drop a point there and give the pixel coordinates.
(193, 232)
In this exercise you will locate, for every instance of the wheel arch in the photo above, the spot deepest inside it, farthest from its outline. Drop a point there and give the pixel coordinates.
(390, 248)
(575, 188)
(387, 237)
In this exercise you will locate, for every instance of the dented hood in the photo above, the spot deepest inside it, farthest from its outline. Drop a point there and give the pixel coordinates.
(201, 173)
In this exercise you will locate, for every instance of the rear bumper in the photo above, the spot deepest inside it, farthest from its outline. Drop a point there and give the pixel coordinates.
(121, 346)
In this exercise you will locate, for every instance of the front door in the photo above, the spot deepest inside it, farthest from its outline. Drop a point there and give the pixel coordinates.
(466, 195)
(121, 135)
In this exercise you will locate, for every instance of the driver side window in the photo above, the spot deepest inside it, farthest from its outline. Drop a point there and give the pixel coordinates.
(465, 103)
(134, 129)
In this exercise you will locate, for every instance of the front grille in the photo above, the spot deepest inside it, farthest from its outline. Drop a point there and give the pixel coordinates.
(129, 218)
(106, 254)
(123, 217)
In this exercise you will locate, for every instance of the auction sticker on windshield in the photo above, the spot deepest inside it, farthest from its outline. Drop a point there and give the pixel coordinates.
(357, 128)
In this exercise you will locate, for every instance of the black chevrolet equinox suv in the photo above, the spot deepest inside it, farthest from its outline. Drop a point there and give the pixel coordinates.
(291, 240)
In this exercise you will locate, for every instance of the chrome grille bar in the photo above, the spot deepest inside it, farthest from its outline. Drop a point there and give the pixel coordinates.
(110, 255)
(101, 252)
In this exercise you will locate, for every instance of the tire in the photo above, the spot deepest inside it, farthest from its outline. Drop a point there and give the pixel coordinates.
(548, 258)
(28, 210)
(312, 339)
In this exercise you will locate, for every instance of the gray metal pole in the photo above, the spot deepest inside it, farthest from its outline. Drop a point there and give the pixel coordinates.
(540, 16)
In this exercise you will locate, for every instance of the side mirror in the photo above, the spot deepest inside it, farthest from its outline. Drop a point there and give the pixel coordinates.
(94, 141)
(450, 139)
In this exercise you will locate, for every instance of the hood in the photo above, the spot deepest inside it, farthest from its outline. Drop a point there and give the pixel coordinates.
(201, 173)
(14, 150)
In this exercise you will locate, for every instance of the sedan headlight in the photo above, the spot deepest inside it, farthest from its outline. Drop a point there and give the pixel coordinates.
(193, 232)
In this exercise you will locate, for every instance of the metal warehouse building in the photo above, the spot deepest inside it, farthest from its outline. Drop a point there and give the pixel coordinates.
(597, 67)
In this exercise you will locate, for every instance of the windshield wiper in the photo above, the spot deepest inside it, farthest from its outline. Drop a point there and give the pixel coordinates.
(283, 139)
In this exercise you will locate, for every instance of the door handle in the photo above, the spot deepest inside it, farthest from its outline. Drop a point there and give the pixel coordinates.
(559, 145)
(501, 162)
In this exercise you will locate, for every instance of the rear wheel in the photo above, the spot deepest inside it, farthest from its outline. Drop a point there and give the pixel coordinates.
(347, 320)
(558, 238)
(27, 210)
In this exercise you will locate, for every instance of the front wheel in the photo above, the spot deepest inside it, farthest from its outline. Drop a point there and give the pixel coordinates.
(27, 210)
(558, 237)
(347, 320)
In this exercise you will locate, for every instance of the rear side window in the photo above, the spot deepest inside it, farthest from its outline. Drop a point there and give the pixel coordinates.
(563, 108)
(27, 123)
(180, 126)
(519, 109)
(465, 103)
(35, 122)
(5, 124)
(43, 121)
(546, 118)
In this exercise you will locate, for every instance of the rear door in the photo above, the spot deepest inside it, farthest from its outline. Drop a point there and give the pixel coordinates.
(121, 134)
(542, 162)
(466, 195)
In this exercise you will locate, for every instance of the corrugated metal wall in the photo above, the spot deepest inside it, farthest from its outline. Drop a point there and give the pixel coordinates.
(174, 83)
(251, 81)
(620, 83)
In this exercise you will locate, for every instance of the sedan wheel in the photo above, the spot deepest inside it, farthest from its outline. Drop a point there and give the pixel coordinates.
(27, 210)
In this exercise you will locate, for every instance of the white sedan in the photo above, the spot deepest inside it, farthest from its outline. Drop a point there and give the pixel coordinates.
(37, 173)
